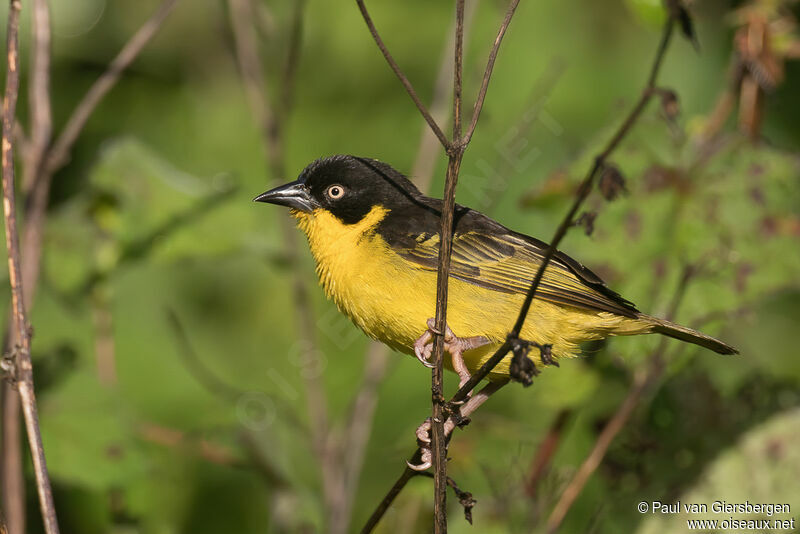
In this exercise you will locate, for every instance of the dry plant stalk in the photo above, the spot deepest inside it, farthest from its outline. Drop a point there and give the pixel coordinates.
(21, 333)
(455, 150)
(42, 159)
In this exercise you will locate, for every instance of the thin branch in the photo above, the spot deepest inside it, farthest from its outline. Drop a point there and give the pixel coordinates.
(427, 152)
(21, 334)
(358, 429)
(438, 443)
(60, 151)
(254, 81)
(455, 151)
(13, 476)
(376, 357)
(476, 112)
(465, 410)
(41, 126)
(642, 382)
(33, 151)
(402, 77)
(583, 192)
(272, 124)
(546, 451)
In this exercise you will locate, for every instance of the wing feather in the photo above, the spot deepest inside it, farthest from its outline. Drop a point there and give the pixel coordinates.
(508, 262)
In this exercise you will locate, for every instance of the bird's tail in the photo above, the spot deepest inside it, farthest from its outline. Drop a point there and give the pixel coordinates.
(662, 326)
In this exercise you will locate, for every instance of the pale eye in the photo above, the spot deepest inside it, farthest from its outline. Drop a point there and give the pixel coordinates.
(335, 192)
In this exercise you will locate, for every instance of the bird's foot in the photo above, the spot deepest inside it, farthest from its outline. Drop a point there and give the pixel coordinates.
(423, 434)
(456, 346)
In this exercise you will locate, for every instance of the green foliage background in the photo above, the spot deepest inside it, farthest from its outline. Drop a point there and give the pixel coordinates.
(153, 217)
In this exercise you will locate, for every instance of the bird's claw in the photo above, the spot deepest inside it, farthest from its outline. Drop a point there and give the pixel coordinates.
(423, 349)
(423, 434)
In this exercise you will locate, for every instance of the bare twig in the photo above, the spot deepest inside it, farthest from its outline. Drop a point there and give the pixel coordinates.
(455, 151)
(13, 477)
(465, 410)
(33, 150)
(546, 451)
(59, 153)
(272, 125)
(583, 192)
(377, 354)
(41, 126)
(438, 443)
(39, 169)
(357, 431)
(643, 380)
(202, 448)
(422, 171)
(21, 334)
(476, 112)
(402, 77)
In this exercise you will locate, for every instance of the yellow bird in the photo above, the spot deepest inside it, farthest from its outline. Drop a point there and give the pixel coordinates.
(375, 239)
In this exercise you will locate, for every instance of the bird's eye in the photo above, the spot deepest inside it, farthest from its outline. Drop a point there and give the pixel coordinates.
(335, 192)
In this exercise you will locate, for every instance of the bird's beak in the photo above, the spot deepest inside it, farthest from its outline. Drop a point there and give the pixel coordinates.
(294, 195)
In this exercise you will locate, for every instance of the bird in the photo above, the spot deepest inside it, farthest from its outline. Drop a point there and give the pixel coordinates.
(375, 240)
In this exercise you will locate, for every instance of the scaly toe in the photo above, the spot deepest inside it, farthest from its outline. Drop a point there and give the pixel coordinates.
(426, 464)
(423, 431)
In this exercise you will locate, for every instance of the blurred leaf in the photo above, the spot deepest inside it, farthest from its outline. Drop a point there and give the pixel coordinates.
(762, 467)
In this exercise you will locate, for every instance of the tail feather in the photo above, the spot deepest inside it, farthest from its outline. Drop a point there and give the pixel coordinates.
(683, 333)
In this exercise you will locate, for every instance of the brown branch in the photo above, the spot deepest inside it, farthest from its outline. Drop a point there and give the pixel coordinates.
(21, 333)
(456, 153)
(39, 95)
(402, 77)
(13, 476)
(177, 439)
(272, 125)
(357, 431)
(427, 152)
(376, 357)
(642, 382)
(465, 410)
(476, 112)
(546, 451)
(60, 151)
(583, 192)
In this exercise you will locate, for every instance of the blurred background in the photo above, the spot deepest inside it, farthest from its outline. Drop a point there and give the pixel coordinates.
(191, 375)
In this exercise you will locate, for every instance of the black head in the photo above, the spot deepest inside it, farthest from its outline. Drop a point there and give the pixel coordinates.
(347, 186)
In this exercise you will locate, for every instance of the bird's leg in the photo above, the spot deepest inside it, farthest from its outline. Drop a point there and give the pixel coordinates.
(453, 344)
(423, 431)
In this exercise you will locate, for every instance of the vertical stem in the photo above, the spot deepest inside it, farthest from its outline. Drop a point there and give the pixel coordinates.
(455, 152)
(21, 333)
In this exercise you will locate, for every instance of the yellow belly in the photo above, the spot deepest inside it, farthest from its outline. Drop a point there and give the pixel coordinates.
(391, 299)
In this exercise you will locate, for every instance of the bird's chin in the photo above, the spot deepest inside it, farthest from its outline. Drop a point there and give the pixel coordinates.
(301, 214)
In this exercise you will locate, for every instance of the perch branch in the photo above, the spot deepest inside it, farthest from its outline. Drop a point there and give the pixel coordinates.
(41, 116)
(59, 153)
(422, 170)
(21, 333)
(272, 122)
(466, 409)
(402, 77)
(455, 151)
(487, 75)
